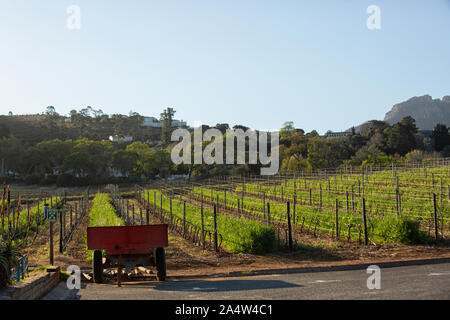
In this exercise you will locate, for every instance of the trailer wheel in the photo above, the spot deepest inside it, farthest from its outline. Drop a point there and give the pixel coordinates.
(161, 264)
(97, 266)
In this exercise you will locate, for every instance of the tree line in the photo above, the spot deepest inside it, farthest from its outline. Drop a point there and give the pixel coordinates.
(84, 161)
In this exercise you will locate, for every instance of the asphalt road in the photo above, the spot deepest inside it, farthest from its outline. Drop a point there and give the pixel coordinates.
(410, 282)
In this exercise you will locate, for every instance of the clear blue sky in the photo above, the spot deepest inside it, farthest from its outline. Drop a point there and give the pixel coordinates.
(253, 62)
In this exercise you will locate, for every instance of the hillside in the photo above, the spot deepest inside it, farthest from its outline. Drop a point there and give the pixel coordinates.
(35, 128)
(425, 110)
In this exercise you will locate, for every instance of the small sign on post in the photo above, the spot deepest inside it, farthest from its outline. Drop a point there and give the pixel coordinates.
(52, 215)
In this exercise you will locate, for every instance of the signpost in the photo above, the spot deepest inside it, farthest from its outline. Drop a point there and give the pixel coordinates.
(52, 216)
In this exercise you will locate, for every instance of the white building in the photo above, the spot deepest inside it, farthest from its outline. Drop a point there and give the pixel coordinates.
(178, 123)
(155, 123)
(117, 138)
(337, 135)
(152, 122)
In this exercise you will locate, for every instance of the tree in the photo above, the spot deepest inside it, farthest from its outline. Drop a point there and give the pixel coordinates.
(287, 130)
(11, 150)
(4, 131)
(238, 126)
(223, 127)
(401, 136)
(327, 153)
(440, 137)
(51, 111)
(124, 161)
(166, 118)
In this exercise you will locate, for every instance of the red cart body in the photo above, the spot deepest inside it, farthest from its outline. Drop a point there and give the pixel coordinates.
(127, 240)
(128, 247)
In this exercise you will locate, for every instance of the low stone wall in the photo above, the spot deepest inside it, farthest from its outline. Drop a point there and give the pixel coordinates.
(33, 287)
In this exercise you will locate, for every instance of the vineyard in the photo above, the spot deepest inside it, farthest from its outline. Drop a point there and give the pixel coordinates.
(22, 215)
(247, 214)
(409, 205)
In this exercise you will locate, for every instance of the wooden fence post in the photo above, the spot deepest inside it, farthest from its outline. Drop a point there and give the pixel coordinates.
(346, 197)
(161, 202)
(216, 247)
(51, 256)
(61, 232)
(70, 218)
(397, 202)
(366, 239)
(268, 213)
(171, 212)
(184, 217)
(320, 196)
(289, 225)
(239, 208)
(203, 223)
(293, 211)
(264, 205)
(436, 232)
(337, 218)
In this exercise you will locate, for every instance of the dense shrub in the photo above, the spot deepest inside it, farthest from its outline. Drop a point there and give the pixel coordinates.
(401, 230)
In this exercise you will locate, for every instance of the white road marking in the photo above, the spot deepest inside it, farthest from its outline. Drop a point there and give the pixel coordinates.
(439, 274)
(325, 281)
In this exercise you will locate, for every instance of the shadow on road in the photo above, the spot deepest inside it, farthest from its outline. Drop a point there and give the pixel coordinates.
(224, 285)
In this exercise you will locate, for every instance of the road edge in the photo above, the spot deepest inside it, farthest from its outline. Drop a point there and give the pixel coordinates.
(315, 269)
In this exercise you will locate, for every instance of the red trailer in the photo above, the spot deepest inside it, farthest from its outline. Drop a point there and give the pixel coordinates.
(128, 247)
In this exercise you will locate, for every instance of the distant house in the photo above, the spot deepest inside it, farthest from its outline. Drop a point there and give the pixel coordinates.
(152, 122)
(178, 123)
(155, 123)
(337, 135)
(117, 138)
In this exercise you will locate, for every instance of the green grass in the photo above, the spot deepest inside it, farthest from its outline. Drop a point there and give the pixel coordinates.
(240, 235)
(103, 214)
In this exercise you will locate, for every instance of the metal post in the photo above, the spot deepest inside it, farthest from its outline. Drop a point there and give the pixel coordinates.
(171, 212)
(346, 196)
(184, 217)
(239, 208)
(61, 226)
(289, 225)
(337, 218)
(436, 233)
(293, 211)
(366, 239)
(203, 224)
(216, 247)
(225, 198)
(264, 204)
(51, 244)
